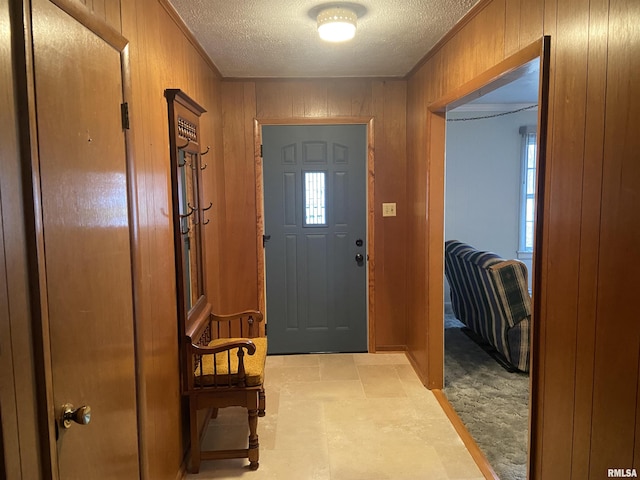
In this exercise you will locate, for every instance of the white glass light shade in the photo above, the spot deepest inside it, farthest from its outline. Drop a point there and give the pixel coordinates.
(337, 24)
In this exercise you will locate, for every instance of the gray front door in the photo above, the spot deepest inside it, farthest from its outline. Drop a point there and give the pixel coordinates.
(315, 215)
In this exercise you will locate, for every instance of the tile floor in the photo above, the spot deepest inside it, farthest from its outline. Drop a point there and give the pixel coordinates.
(343, 417)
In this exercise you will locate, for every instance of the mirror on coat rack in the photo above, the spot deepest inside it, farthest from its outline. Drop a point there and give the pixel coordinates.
(188, 205)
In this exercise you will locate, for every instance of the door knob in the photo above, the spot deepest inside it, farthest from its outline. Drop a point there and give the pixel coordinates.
(80, 415)
(359, 258)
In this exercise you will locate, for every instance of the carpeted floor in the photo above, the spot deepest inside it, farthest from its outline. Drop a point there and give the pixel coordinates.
(492, 403)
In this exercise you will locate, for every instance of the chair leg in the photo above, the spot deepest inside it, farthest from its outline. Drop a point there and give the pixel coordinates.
(195, 437)
(261, 402)
(254, 446)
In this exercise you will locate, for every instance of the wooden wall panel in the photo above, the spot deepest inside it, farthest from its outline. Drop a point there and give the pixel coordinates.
(564, 182)
(590, 237)
(389, 111)
(240, 263)
(280, 100)
(10, 466)
(19, 415)
(523, 24)
(513, 10)
(163, 56)
(584, 400)
(477, 47)
(348, 98)
(105, 10)
(618, 330)
(417, 146)
(531, 21)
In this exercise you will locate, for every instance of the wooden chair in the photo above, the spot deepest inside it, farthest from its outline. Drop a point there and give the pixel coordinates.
(218, 375)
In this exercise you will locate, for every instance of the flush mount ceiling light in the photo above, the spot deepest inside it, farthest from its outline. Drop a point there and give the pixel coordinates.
(337, 24)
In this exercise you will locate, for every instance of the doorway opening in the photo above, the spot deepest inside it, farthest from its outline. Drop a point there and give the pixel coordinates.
(490, 167)
(525, 240)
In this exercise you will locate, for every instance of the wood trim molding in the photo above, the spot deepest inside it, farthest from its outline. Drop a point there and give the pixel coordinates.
(34, 235)
(475, 452)
(436, 158)
(436, 126)
(536, 392)
(257, 154)
(136, 272)
(93, 23)
(188, 35)
(311, 79)
(369, 121)
(315, 121)
(457, 96)
(371, 250)
(436, 130)
(391, 348)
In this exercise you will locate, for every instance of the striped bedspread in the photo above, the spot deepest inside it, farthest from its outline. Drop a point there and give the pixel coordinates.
(490, 296)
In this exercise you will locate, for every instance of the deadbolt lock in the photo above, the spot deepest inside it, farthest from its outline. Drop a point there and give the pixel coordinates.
(80, 415)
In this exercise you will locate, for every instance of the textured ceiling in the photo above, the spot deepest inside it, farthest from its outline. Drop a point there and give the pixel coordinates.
(278, 38)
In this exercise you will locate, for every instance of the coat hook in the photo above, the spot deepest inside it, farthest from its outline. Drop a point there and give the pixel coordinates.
(191, 210)
(191, 166)
(182, 147)
(203, 154)
(204, 210)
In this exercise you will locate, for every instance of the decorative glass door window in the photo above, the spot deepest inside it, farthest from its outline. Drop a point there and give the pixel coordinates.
(315, 206)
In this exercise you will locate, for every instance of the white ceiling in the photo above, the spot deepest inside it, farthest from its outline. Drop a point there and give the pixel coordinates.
(278, 38)
(513, 90)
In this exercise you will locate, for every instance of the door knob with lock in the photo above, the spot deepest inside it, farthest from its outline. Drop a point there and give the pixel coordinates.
(359, 258)
(80, 415)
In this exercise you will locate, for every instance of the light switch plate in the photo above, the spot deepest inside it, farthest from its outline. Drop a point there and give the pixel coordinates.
(388, 209)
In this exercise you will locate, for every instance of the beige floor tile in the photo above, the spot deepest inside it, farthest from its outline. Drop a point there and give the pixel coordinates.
(380, 381)
(301, 428)
(381, 459)
(352, 414)
(457, 462)
(274, 361)
(325, 391)
(310, 360)
(281, 465)
(380, 358)
(267, 427)
(226, 436)
(338, 367)
(292, 465)
(343, 417)
(272, 399)
(282, 375)
(411, 384)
